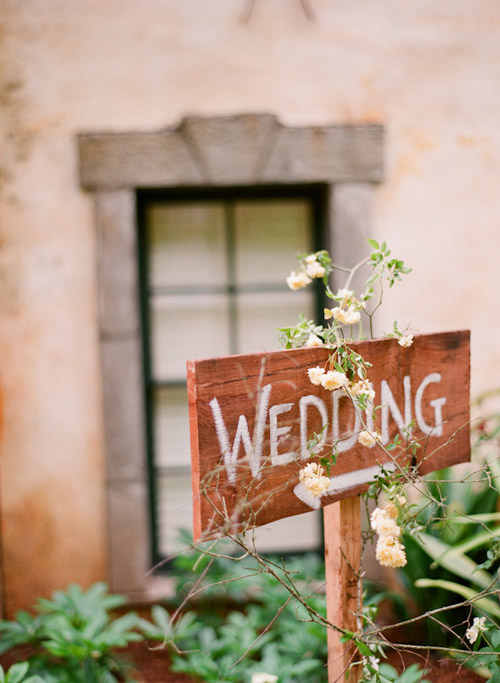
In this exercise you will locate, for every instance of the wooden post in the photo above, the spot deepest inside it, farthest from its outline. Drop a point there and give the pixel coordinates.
(342, 523)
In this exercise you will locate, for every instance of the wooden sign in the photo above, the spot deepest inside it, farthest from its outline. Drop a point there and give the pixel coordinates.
(256, 419)
(252, 417)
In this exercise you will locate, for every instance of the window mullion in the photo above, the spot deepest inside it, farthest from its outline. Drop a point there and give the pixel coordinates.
(231, 275)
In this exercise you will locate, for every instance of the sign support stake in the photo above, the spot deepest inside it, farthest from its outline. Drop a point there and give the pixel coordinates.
(342, 529)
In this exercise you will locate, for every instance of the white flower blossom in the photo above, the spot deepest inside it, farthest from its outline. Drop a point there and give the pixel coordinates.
(315, 269)
(349, 316)
(263, 678)
(390, 552)
(382, 521)
(317, 486)
(478, 626)
(391, 510)
(312, 469)
(406, 340)
(369, 439)
(311, 258)
(297, 280)
(364, 387)
(377, 514)
(312, 476)
(316, 374)
(344, 294)
(333, 379)
(386, 526)
(313, 341)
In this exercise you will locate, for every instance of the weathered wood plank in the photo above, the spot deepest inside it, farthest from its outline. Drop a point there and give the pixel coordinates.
(342, 529)
(251, 417)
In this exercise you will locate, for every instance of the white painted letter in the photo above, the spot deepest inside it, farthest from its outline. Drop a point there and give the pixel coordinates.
(343, 444)
(276, 432)
(304, 402)
(389, 404)
(253, 452)
(437, 403)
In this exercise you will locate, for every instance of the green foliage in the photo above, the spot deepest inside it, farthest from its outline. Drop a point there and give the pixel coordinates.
(455, 555)
(220, 646)
(485, 658)
(296, 336)
(448, 559)
(19, 673)
(72, 636)
(492, 640)
(382, 265)
(388, 674)
(265, 630)
(346, 318)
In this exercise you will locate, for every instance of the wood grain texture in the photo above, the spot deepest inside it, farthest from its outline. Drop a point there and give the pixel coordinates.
(342, 529)
(223, 499)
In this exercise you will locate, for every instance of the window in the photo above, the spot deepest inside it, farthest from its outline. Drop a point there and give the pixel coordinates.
(213, 282)
(243, 151)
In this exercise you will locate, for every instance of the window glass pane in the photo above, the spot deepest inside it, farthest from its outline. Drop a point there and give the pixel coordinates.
(174, 509)
(186, 244)
(292, 534)
(268, 234)
(259, 316)
(171, 427)
(196, 245)
(187, 327)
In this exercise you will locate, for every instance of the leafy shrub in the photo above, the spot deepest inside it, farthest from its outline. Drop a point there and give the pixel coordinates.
(72, 637)
(453, 558)
(245, 621)
(220, 645)
(18, 673)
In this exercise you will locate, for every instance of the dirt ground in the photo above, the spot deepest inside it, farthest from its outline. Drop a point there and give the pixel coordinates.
(152, 665)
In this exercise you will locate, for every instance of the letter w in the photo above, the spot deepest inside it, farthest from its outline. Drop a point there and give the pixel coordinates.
(253, 451)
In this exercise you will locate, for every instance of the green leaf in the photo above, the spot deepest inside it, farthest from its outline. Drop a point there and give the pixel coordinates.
(494, 467)
(452, 559)
(17, 672)
(485, 604)
(307, 666)
(346, 637)
(413, 674)
(388, 672)
(474, 519)
(161, 617)
(495, 639)
(373, 243)
(364, 649)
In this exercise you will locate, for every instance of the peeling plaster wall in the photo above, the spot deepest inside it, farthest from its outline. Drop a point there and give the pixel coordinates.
(429, 72)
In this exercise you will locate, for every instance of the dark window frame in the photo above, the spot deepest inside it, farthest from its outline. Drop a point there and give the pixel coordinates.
(316, 194)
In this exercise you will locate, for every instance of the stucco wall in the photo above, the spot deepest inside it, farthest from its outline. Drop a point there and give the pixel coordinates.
(428, 71)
